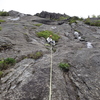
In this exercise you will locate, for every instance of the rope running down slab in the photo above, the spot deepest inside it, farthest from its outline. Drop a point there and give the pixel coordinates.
(50, 88)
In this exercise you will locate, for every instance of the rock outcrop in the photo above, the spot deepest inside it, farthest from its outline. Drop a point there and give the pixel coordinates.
(49, 22)
(17, 14)
(28, 79)
(49, 15)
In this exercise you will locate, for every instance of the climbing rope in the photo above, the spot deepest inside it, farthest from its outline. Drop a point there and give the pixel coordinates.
(50, 88)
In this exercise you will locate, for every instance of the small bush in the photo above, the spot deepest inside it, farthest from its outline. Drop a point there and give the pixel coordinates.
(92, 23)
(2, 20)
(61, 18)
(1, 74)
(4, 64)
(0, 28)
(74, 19)
(4, 13)
(36, 55)
(1, 65)
(10, 61)
(64, 66)
(47, 33)
(37, 24)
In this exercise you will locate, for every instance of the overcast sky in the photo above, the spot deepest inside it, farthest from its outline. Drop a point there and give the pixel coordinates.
(81, 8)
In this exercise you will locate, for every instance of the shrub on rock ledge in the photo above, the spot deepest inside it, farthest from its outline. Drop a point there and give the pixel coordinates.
(4, 13)
(64, 66)
(47, 33)
(36, 55)
(1, 74)
(38, 24)
(2, 21)
(0, 28)
(4, 64)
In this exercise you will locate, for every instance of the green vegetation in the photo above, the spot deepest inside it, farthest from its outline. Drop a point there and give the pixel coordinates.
(63, 18)
(47, 44)
(74, 19)
(60, 18)
(0, 28)
(94, 16)
(38, 24)
(92, 22)
(33, 28)
(4, 13)
(36, 55)
(64, 66)
(25, 27)
(77, 31)
(1, 65)
(9, 61)
(4, 64)
(2, 20)
(1, 74)
(47, 33)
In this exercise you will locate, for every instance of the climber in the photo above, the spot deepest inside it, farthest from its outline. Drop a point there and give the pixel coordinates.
(50, 41)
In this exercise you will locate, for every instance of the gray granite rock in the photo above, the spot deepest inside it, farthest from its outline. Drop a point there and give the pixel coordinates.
(29, 78)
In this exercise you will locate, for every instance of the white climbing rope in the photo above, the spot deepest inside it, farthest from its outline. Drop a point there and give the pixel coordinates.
(50, 88)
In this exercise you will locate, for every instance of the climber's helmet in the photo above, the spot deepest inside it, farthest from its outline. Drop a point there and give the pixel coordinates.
(50, 36)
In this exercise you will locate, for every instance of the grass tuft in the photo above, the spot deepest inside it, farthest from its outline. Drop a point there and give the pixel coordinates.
(4, 64)
(0, 28)
(2, 20)
(36, 55)
(1, 74)
(37, 24)
(64, 66)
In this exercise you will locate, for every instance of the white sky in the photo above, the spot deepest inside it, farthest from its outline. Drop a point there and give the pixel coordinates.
(81, 8)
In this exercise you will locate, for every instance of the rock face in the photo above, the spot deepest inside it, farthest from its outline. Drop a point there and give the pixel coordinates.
(28, 79)
(17, 14)
(49, 22)
(49, 15)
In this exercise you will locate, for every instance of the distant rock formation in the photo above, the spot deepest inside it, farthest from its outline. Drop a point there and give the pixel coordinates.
(17, 14)
(52, 18)
(49, 15)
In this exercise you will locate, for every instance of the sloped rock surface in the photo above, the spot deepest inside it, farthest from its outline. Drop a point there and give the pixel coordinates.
(29, 78)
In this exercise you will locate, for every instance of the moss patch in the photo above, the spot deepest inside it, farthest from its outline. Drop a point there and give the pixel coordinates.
(0, 28)
(37, 24)
(2, 20)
